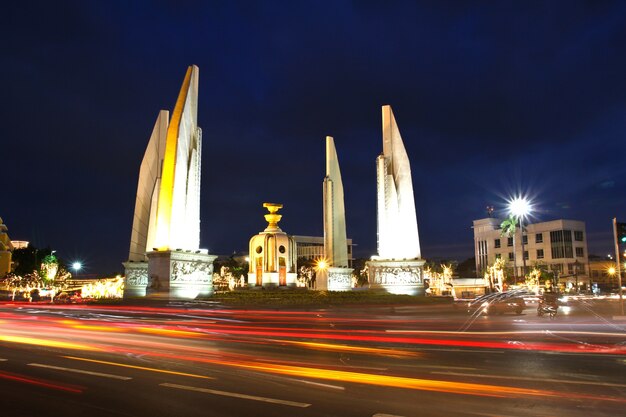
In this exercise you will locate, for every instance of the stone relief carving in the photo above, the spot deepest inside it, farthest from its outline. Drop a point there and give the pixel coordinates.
(192, 272)
(137, 276)
(337, 279)
(397, 275)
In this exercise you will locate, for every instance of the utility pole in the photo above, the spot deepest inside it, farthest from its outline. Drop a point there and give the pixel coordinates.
(617, 268)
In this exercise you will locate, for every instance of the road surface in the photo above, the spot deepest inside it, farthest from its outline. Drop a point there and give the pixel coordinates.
(195, 359)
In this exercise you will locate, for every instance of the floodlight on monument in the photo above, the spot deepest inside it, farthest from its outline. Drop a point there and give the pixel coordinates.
(611, 270)
(321, 264)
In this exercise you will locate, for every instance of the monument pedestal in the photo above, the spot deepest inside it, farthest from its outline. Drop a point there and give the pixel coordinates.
(397, 276)
(334, 279)
(171, 274)
(136, 279)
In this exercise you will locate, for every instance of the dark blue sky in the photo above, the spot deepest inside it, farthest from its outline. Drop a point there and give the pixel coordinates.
(492, 98)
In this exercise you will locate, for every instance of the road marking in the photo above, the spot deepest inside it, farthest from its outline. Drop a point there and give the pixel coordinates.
(385, 415)
(319, 384)
(462, 350)
(521, 378)
(237, 395)
(79, 371)
(139, 367)
(3, 360)
(510, 332)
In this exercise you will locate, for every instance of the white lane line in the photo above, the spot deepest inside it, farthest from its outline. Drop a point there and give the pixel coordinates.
(509, 332)
(237, 395)
(521, 378)
(80, 371)
(319, 384)
(385, 415)
(3, 360)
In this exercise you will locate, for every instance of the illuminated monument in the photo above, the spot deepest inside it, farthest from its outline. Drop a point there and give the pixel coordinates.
(338, 277)
(398, 266)
(165, 256)
(272, 254)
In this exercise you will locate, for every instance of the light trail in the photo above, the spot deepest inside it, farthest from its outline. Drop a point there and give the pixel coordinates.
(143, 368)
(41, 382)
(47, 343)
(353, 349)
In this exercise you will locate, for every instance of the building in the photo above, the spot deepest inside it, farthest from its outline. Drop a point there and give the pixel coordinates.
(560, 245)
(19, 244)
(603, 273)
(312, 247)
(6, 248)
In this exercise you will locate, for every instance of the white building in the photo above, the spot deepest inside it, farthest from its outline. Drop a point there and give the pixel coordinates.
(561, 245)
(312, 247)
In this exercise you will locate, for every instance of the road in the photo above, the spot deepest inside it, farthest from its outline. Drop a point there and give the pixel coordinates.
(206, 360)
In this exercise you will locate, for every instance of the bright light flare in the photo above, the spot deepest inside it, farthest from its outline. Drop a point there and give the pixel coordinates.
(321, 265)
(520, 207)
(77, 266)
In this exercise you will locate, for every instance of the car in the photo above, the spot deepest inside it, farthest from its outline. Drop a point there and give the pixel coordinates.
(498, 303)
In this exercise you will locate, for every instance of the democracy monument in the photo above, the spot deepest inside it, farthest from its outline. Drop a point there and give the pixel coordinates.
(165, 258)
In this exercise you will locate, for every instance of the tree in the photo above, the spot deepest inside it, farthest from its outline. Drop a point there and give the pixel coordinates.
(509, 227)
(467, 268)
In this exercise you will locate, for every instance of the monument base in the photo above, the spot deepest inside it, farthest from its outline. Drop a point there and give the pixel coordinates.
(271, 280)
(136, 279)
(334, 279)
(397, 276)
(170, 274)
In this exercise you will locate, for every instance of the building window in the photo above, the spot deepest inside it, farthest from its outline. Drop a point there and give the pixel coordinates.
(496, 243)
(539, 253)
(525, 254)
(509, 241)
(498, 256)
(578, 236)
(539, 238)
(525, 240)
(511, 256)
(580, 253)
(561, 244)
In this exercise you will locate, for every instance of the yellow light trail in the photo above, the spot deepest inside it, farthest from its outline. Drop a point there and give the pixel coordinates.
(99, 328)
(143, 368)
(47, 343)
(169, 332)
(405, 382)
(347, 348)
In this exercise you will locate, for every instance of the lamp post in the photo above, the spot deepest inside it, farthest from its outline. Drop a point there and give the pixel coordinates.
(520, 208)
(76, 266)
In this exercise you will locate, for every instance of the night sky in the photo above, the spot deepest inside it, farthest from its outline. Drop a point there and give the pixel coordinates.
(492, 99)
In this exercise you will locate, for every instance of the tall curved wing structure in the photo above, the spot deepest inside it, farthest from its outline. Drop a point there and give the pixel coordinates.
(167, 208)
(397, 221)
(144, 220)
(335, 238)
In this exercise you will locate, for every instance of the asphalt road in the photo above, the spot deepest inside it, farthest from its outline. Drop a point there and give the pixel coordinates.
(205, 360)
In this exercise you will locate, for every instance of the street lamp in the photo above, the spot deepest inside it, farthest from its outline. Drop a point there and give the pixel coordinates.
(77, 266)
(519, 207)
